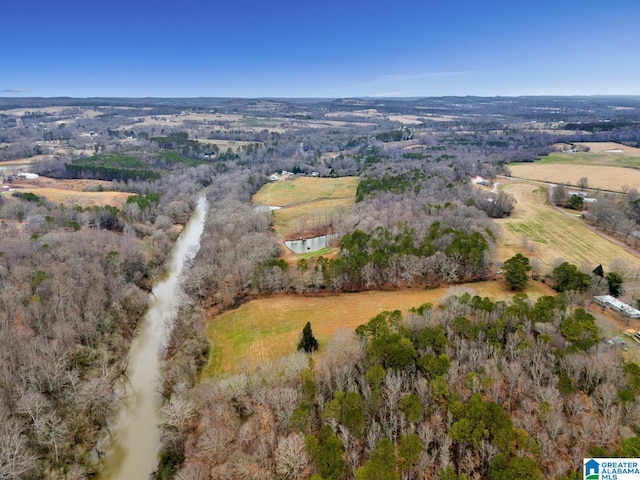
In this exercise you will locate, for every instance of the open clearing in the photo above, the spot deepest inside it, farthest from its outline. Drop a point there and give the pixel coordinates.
(265, 329)
(607, 165)
(607, 147)
(552, 234)
(309, 215)
(604, 177)
(306, 189)
(309, 205)
(608, 154)
(72, 192)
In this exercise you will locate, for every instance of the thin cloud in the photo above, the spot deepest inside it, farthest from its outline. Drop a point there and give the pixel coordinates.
(14, 90)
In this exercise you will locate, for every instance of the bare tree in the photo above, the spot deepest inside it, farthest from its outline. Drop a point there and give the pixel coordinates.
(16, 459)
(291, 457)
(583, 183)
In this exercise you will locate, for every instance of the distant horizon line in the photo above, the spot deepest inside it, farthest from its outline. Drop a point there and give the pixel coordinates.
(354, 97)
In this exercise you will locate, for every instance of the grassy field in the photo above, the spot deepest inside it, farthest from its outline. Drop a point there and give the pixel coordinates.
(551, 234)
(73, 192)
(82, 199)
(608, 165)
(309, 215)
(306, 189)
(608, 147)
(308, 204)
(611, 178)
(266, 329)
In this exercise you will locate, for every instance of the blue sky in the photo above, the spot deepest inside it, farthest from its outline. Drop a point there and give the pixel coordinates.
(330, 48)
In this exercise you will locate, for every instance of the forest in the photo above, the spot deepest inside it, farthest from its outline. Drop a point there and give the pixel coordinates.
(474, 388)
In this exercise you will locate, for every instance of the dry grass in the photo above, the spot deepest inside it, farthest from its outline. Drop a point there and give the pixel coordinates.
(72, 192)
(604, 177)
(552, 234)
(608, 165)
(406, 119)
(266, 329)
(19, 162)
(605, 147)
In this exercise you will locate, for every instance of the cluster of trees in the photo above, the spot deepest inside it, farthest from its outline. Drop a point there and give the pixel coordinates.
(393, 136)
(75, 282)
(473, 389)
(110, 167)
(69, 308)
(565, 277)
(446, 242)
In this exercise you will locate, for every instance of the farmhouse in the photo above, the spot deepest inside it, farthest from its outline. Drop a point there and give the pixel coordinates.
(607, 301)
(480, 181)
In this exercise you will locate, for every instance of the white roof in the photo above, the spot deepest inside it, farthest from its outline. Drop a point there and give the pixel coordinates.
(613, 302)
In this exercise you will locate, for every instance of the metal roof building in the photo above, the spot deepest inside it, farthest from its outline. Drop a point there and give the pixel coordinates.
(607, 301)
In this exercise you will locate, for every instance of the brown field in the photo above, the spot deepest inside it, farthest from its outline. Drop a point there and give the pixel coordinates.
(73, 192)
(604, 147)
(265, 329)
(23, 161)
(607, 178)
(552, 234)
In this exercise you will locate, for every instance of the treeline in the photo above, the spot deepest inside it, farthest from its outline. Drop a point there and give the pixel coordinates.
(602, 126)
(111, 167)
(385, 259)
(180, 142)
(393, 136)
(472, 389)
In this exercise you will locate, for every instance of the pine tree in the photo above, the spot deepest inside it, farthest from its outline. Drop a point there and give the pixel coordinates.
(308, 342)
(515, 272)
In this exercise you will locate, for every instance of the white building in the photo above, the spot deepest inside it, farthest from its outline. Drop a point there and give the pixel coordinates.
(607, 301)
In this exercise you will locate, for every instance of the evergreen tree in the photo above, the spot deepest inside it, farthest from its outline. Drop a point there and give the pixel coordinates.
(566, 276)
(308, 342)
(515, 272)
(614, 280)
(599, 271)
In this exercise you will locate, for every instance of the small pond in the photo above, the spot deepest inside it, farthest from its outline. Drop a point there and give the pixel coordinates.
(310, 244)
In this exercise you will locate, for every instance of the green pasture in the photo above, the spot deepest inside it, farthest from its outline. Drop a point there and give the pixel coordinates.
(589, 158)
(306, 189)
